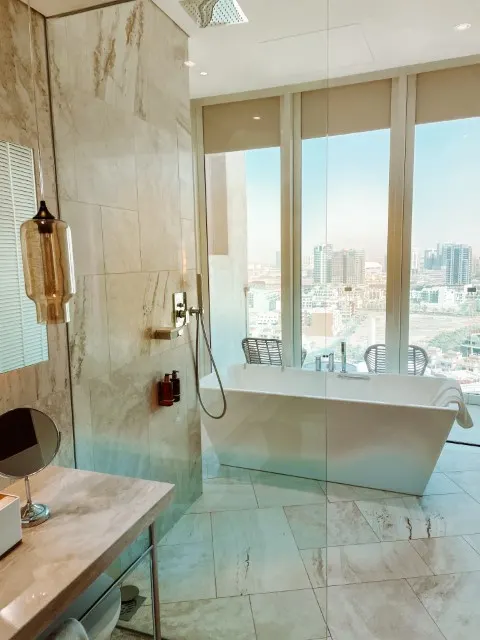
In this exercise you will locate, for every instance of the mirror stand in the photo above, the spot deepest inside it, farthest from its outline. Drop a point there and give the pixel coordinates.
(33, 514)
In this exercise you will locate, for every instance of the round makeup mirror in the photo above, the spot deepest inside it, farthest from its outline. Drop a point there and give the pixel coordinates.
(29, 441)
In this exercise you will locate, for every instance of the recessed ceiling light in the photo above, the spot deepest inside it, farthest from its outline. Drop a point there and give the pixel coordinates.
(463, 26)
(189, 63)
(203, 73)
(257, 117)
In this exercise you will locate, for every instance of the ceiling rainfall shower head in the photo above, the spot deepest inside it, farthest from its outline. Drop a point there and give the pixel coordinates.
(214, 13)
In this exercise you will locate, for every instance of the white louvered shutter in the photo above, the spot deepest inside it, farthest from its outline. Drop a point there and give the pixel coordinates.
(23, 342)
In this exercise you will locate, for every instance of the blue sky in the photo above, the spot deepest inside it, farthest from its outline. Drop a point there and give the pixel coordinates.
(345, 191)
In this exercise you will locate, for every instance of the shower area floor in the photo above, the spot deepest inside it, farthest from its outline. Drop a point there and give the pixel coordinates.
(262, 556)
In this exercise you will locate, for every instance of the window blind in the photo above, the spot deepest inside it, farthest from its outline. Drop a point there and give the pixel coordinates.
(22, 341)
(240, 126)
(347, 109)
(450, 94)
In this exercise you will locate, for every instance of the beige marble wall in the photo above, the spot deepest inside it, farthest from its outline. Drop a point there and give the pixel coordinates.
(124, 160)
(45, 386)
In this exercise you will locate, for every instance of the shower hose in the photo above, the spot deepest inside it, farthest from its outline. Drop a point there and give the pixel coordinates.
(201, 322)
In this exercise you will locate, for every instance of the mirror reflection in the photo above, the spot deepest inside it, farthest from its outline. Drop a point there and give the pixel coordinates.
(29, 440)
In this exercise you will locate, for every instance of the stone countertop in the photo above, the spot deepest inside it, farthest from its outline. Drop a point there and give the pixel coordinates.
(94, 518)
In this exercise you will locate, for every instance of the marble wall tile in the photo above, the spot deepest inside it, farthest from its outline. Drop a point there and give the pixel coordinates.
(85, 222)
(120, 408)
(58, 407)
(104, 163)
(185, 173)
(120, 94)
(132, 299)
(158, 196)
(121, 240)
(88, 330)
(188, 245)
(45, 385)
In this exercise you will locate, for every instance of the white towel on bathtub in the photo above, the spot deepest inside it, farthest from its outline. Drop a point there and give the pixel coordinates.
(70, 630)
(451, 393)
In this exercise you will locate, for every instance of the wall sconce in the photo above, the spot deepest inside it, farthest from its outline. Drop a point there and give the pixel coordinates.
(48, 265)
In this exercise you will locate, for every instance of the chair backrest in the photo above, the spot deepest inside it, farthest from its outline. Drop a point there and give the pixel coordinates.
(376, 359)
(265, 351)
(417, 360)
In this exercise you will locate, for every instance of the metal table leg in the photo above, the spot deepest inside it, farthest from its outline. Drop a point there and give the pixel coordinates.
(156, 589)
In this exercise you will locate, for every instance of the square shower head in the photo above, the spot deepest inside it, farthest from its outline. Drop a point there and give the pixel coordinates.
(214, 13)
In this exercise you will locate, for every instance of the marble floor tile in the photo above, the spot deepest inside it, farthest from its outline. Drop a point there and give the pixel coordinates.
(186, 572)
(191, 528)
(377, 611)
(235, 474)
(255, 552)
(220, 619)
(441, 484)
(427, 517)
(469, 481)
(289, 615)
(348, 493)
(274, 490)
(447, 555)
(474, 541)
(346, 525)
(363, 563)
(224, 495)
(452, 601)
(455, 457)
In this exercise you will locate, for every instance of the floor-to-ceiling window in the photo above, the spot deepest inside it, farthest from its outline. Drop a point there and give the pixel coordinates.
(242, 179)
(345, 185)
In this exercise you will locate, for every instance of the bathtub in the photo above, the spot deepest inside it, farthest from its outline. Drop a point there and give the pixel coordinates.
(379, 431)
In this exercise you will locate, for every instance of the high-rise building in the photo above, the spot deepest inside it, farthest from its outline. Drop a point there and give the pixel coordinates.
(458, 263)
(348, 267)
(278, 259)
(322, 264)
(415, 263)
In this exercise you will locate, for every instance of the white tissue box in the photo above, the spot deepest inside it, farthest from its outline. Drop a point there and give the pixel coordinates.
(10, 522)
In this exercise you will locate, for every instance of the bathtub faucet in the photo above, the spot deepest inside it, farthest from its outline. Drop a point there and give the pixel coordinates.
(330, 358)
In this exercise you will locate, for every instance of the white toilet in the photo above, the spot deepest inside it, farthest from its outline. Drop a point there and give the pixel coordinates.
(100, 622)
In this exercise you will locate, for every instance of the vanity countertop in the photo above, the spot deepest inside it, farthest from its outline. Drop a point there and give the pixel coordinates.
(94, 518)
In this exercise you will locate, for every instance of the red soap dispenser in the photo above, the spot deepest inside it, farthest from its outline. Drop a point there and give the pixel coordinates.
(165, 392)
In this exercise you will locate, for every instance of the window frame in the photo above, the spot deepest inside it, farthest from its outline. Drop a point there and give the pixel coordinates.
(399, 240)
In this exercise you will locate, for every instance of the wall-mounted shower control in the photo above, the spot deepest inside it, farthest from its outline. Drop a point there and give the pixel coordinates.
(180, 319)
(180, 310)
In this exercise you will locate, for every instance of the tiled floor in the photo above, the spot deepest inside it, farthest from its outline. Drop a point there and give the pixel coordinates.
(267, 557)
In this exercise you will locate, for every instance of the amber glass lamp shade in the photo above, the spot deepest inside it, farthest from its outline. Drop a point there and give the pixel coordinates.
(48, 266)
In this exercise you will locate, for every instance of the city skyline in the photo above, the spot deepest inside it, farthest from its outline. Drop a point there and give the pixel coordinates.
(446, 170)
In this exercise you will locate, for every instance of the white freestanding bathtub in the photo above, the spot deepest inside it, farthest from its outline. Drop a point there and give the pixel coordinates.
(378, 431)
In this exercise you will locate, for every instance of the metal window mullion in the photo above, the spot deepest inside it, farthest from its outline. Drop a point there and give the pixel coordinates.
(287, 226)
(201, 231)
(407, 221)
(395, 243)
(297, 230)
